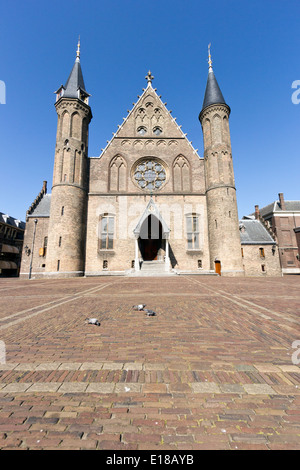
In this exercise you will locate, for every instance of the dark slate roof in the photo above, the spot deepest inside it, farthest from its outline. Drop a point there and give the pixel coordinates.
(7, 219)
(43, 207)
(290, 206)
(213, 94)
(252, 232)
(74, 82)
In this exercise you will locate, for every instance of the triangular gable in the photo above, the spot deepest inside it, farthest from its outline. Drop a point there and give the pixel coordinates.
(149, 98)
(152, 209)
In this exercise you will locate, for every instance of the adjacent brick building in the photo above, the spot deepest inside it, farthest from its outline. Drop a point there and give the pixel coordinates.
(11, 242)
(149, 204)
(283, 218)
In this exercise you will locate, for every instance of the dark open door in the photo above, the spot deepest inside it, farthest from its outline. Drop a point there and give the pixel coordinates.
(150, 238)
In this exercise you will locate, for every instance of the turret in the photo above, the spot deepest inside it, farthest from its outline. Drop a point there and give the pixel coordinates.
(223, 222)
(66, 239)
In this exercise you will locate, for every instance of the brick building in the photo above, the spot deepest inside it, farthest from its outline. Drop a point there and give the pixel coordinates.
(11, 242)
(283, 218)
(149, 204)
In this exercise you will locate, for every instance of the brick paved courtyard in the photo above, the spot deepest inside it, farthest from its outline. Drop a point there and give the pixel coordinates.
(213, 370)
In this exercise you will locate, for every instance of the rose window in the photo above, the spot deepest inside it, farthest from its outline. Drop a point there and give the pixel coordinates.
(150, 175)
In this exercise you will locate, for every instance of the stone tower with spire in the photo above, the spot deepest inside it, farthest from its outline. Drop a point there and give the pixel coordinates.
(222, 213)
(67, 225)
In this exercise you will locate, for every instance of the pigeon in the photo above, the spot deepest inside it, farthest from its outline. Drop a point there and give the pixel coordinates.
(139, 307)
(93, 321)
(150, 313)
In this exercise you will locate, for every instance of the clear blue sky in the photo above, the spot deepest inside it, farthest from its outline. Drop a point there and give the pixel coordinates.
(255, 51)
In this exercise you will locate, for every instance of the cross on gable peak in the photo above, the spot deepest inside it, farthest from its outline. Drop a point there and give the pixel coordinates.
(149, 77)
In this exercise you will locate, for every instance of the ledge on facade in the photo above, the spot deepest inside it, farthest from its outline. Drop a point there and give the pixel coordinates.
(104, 252)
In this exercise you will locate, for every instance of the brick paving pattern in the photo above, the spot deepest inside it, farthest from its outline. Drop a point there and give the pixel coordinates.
(213, 369)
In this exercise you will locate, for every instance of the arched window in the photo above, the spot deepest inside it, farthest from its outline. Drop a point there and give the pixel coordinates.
(117, 174)
(181, 174)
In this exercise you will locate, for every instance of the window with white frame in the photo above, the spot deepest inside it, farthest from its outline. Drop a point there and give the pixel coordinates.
(107, 232)
(192, 231)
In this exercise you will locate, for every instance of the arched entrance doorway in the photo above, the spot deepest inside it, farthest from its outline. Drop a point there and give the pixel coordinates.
(150, 239)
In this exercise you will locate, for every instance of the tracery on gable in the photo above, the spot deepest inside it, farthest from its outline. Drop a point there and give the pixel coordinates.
(181, 174)
(117, 175)
(149, 120)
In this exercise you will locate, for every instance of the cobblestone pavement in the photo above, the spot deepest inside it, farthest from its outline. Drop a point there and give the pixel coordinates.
(215, 369)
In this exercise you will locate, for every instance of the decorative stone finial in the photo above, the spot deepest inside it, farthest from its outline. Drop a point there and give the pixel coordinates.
(78, 51)
(149, 77)
(210, 69)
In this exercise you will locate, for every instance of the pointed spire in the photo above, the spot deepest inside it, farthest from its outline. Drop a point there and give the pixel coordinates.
(75, 87)
(213, 94)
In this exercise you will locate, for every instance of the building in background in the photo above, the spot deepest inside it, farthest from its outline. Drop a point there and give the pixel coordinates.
(259, 248)
(11, 242)
(283, 219)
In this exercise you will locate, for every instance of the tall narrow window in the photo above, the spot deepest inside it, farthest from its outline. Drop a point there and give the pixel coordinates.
(62, 210)
(107, 232)
(192, 229)
(262, 252)
(45, 245)
(58, 264)
(59, 241)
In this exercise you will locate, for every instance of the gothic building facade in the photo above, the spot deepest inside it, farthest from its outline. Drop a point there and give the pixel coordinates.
(149, 204)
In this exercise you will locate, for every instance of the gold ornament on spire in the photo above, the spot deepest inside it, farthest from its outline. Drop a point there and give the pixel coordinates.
(209, 58)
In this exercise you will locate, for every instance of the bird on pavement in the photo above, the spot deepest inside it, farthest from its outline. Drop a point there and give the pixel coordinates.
(139, 307)
(93, 321)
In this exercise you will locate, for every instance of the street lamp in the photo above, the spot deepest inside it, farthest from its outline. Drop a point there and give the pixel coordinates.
(30, 267)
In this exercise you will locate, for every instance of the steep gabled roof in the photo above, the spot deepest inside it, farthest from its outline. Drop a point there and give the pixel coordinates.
(149, 90)
(152, 209)
(252, 232)
(42, 209)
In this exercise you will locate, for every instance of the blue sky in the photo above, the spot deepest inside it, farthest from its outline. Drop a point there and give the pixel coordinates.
(255, 52)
